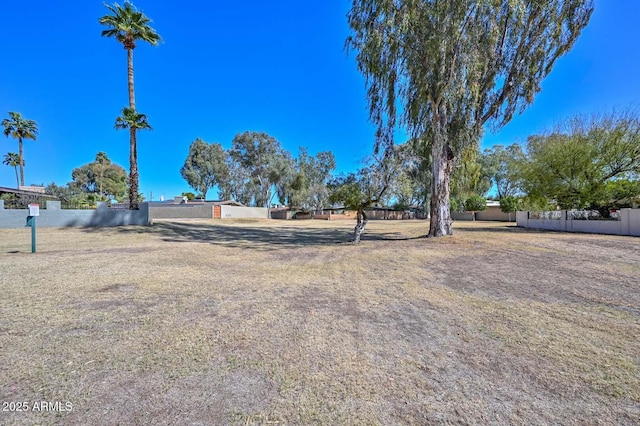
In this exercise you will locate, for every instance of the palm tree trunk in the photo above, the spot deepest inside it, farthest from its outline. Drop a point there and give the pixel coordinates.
(133, 170)
(132, 98)
(21, 155)
(15, 168)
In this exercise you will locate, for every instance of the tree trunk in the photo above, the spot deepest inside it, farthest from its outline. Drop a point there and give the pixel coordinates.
(133, 170)
(15, 168)
(441, 163)
(21, 160)
(360, 226)
(132, 98)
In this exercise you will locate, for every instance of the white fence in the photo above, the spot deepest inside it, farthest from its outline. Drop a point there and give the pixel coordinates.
(228, 212)
(628, 224)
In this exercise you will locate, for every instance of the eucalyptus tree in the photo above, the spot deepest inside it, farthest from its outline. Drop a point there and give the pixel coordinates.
(128, 25)
(205, 166)
(262, 156)
(12, 159)
(132, 121)
(502, 165)
(20, 128)
(443, 69)
(310, 181)
(238, 185)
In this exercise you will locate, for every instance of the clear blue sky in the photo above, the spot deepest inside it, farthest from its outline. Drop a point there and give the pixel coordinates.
(227, 67)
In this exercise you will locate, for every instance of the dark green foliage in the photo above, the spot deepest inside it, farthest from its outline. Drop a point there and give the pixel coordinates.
(205, 166)
(510, 204)
(101, 178)
(475, 203)
(592, 163)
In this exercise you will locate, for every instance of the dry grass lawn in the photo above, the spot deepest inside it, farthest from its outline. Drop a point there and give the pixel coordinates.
(272, 322)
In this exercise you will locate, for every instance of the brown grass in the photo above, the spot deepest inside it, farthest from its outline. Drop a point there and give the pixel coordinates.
(270, 322)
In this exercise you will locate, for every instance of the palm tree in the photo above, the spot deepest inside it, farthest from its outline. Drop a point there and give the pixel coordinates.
(12, 159)
(133, 121)
(20, 128)
(128, 25)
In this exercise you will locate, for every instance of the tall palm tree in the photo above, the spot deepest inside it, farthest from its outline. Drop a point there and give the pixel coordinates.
(12, 159)
(133, 121)
(129, 25)
(20, 128)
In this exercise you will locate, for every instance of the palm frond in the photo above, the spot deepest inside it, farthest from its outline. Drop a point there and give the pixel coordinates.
(127, 23)
(19, 127)
(131, 119)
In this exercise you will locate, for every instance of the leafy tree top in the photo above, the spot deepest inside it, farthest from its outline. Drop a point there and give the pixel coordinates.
(584, 164)
(264, 160)
(205, 166)
(101, 177)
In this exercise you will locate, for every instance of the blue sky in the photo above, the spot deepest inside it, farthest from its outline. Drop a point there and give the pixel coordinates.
(227, 67)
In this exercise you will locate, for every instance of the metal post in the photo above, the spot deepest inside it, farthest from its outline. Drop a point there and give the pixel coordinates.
(33, 234)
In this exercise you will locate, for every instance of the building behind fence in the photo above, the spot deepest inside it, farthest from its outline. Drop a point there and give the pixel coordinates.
(622, 222)
(206, 210)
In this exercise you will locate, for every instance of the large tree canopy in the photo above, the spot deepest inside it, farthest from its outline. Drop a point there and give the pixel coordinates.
(307, 184)
(205, 166)
(591, 163)
(442, 69)
(501, 165)
(101, 178)
(263, 160)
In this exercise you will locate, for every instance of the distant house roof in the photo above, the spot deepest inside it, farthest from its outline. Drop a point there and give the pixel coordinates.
(225, 203)
(5, 190)
(196, 202)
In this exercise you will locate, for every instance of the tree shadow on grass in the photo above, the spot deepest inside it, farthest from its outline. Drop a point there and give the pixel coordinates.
(252, 236)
